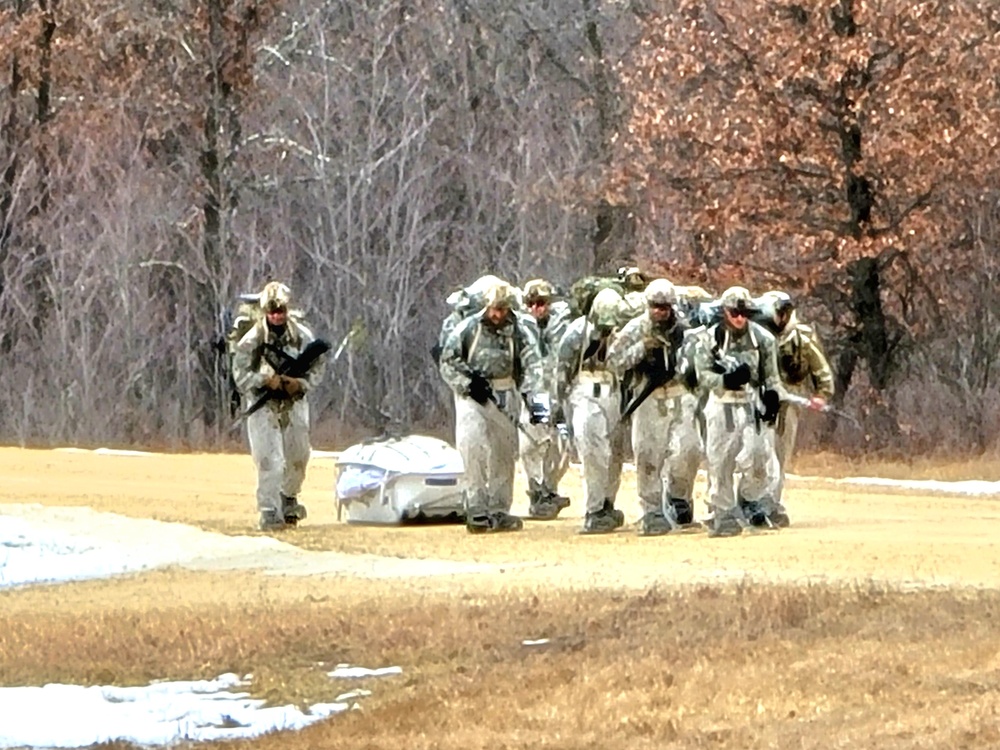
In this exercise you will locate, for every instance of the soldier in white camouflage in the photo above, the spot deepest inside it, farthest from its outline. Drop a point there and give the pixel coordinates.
(736, 361)
(665, 436)
(544, 453)
(279, 432)
(696, 305)
(463, 303)
(805, 371)
(593, 393)
(492, 362)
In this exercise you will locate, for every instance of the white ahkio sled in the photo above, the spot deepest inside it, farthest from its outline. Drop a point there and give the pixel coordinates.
(395, 480)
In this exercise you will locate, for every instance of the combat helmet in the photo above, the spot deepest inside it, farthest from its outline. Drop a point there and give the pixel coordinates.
(275, 296)
(776, 310)
(737, 298)
(500, 294)
(472, 298)
(778, 301)
(661, 292)
(633, 279)
(537, 289)
(605, 309)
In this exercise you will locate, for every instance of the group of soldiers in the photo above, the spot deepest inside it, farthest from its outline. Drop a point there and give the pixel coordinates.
(685, 377)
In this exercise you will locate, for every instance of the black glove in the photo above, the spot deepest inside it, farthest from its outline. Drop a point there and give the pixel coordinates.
(597, 348)
(736, 379)
(772, 403)
(436, 353)
(656, 361)
(691, 377)
(480, 389)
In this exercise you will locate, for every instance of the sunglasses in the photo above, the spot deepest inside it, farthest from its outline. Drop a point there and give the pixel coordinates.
(538, 303)
(736, 312)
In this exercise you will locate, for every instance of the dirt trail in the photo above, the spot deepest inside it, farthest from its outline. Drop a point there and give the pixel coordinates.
(840, 532)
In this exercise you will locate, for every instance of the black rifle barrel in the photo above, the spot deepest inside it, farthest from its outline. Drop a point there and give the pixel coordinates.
(293, 367)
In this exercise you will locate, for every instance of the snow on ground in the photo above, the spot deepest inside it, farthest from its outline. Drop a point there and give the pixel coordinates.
(157, 714)
(162, 713)
(43, 544)
(967, 487)
(48, 545)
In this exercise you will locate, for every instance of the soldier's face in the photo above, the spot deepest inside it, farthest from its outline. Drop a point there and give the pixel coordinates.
(277, 317)
(497, 315)
(660, 313)
(539, 308)
(736, 319)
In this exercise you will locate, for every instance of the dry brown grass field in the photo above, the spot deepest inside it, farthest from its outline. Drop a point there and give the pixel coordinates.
(871, 623)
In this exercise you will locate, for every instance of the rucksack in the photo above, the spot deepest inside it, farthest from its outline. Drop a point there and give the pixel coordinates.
(234, 323)
(583, 291)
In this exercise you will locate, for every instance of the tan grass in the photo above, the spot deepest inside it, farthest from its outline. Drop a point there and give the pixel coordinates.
(644, 652)
(723, 666)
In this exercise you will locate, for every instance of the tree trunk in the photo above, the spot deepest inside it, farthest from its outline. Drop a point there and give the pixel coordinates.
(872, 339)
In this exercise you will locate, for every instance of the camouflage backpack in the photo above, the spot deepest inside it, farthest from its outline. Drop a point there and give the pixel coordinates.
(583, 291)
(234, 324)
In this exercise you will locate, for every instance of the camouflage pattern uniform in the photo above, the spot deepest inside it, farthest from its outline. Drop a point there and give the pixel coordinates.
(805, 371)
(739, 443)
(665, 435)
(633, 305)
(593, 394)
(463, 303)
(544, 452)
(696, 305)
(279, 432)
(506, 355)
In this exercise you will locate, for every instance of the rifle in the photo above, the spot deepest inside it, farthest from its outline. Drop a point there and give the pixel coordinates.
(656, 375)
(806, 403)
(492, 399)
(293, 367)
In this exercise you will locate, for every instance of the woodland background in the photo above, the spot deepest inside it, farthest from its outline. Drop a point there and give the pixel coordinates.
(159, 157)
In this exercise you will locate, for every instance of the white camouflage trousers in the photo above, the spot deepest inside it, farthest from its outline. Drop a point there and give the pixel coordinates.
(600, 446)
(543, 456)
(279, 446)
(667, 444)
(739, 454)
(486, 437)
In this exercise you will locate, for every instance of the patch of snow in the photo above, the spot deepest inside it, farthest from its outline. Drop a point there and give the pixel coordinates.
(40, 544)
(162, 713)
(106, 451)
(346, 670)
(964, 487)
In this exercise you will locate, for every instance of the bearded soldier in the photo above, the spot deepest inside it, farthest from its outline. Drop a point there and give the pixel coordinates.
(544, 453)
(593, 393)
(736, 362)
(463, 303)
(279, 432)
(805, 371)
(665, 436)
(491, 361)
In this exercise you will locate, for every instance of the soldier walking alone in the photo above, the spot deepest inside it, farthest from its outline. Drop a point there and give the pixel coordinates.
(279, 431)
